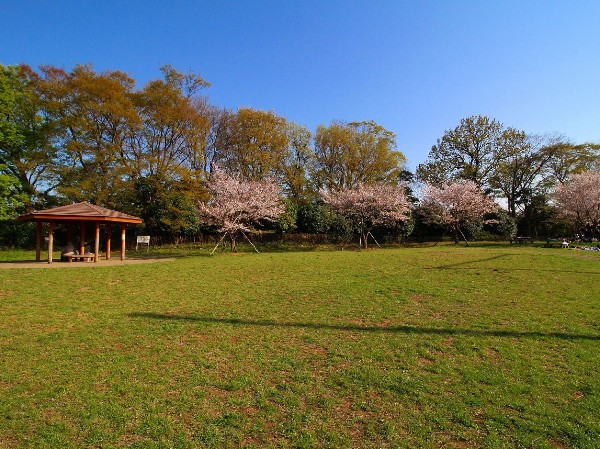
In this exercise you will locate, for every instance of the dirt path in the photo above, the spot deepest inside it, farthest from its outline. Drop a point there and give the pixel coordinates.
(58, 264)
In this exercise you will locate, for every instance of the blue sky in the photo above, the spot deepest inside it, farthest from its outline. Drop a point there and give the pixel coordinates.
(415, 67)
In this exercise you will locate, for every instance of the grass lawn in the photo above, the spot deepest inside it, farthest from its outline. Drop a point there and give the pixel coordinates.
(491, 346)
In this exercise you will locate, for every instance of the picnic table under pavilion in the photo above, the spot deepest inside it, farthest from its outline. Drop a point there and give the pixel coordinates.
(82, 213)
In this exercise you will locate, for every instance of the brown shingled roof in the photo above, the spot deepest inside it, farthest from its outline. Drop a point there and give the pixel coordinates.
(78, 212)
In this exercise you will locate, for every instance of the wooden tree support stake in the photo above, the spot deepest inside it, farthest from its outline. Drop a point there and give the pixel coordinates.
(249, 241)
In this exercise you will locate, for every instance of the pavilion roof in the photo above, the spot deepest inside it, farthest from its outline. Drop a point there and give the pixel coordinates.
(80, 212)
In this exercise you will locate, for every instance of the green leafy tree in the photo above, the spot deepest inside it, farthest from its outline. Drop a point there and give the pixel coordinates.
(541, 219)
(522, 174)
(168, 208)
(350, 154)
(204, 156)
(286, 222)
(259, 145)
(166, 158)
(296, 170)
(97, 119)
(11, 198)
(567, 159)
(501, 223)
(469, 152)
(26, 134)
(113, 134)
(315, 218)
(174, 127)
(253, 144)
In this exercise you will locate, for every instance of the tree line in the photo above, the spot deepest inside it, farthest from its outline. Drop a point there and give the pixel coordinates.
(523, 169)
(83, 135)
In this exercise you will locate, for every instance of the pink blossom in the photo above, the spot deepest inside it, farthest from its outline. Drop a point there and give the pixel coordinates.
(579, 200)
(237, 206)
(370, 205)
(456, 205)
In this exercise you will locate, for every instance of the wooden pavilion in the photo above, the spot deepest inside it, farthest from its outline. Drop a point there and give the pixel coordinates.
(82, 213)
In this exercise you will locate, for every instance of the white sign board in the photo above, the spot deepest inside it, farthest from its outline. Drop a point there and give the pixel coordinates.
(144, 239)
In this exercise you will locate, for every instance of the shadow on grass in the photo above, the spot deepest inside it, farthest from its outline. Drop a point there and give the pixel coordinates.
(353, 327)
(173, 252)
(459, 266)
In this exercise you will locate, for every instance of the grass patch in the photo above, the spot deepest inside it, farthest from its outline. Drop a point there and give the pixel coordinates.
(481, 346)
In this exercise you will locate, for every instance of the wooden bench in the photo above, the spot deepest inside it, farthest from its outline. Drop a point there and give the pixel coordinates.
(560, 242)
(522, 239)
(83, 257)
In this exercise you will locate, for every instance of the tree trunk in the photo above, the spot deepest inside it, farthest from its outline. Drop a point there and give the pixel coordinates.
(233, 243)
(512, 207)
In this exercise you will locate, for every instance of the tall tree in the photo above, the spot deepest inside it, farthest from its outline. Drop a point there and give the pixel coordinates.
(520, 176)
(174, 128)
(166, 160)
(350, 154)
(97, 118)
(370, 205)
(566, 159)
(456, 206)
(26, 134)
(300, 157)
(168, 207)
(217, 124)
(11, 199)
(253, 144)
(471, 151)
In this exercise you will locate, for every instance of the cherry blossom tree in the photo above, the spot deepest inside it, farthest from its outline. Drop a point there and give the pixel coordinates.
(456, 206)
(236, 206)
(579, 201)
(370, 205)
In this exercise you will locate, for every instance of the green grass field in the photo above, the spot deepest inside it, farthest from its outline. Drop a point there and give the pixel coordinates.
(491, 346)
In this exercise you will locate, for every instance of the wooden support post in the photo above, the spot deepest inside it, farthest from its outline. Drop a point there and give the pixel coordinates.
(123, 241)
(50, 240)
(70, 233)
(96, 241)
(108, 229)
(82, 238)
(38, 242)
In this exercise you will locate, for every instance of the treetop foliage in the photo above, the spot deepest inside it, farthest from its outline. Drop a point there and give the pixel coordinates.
(350, 154)
(84, 135)
(470, 151)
